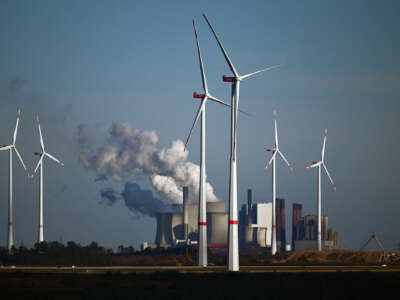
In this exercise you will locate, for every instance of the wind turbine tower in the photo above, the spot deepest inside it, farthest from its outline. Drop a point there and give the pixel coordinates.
(40, 164)
(233, 240)
(272, 161)
(202, 257)
(12, 148)
(319, 164)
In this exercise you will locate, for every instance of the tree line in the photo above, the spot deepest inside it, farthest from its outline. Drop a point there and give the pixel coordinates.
(58, 254)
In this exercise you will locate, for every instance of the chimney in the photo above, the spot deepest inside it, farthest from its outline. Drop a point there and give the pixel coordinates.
(249, 214)
(185, 212)
(297, 215)
(249, 230)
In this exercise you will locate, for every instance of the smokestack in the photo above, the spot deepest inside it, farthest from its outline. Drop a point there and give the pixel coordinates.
(297, 215)
(249, 229)
(185, 212)
(249, 214)
(281, 223)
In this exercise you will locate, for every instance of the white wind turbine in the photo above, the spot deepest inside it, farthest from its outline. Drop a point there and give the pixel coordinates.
(272, 161)
(319, 164)
(202, 258)
(40, 164)
(12, 147)
(233, 259)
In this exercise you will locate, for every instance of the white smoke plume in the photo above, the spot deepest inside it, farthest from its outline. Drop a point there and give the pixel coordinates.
(129, 151)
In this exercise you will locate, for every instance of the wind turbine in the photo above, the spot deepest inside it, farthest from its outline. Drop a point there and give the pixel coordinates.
(40, 164)
(233, 259)
(319, 164)
(202, 259)
(272, 161)
(12, 147)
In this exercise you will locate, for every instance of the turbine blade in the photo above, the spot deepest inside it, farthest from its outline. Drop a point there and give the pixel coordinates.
(37, 166)
(246, 113)
(270, 161)
(196, 119)
(323, 145)
(20, 159)
(228, 105)
(276, 130)
(53, 158)
(314, 164)
(286, 161)
(6, 147)
(40, 132)
(217, 100)
(231, 66)
(203, 75)
(259, 71)
(329, 175)
(16, 126)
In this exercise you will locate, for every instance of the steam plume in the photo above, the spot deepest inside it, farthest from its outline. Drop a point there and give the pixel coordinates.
(138, 201)
(129, 151)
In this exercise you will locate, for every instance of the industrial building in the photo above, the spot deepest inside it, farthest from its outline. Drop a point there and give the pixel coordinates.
(180, 226)
(255, 221)
(305, 229)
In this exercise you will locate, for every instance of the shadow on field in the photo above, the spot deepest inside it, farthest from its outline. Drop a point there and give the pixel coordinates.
(174, 285)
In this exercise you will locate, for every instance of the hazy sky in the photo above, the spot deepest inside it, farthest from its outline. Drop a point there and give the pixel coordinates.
(99, 62)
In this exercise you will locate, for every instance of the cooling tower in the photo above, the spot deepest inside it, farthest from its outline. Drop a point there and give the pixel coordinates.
(217, 228)
(164, 229)
(171, 225)
(217, 207)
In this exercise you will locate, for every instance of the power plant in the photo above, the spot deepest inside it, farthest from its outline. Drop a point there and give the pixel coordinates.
(180, 225)
(256, 226)
(305, 232)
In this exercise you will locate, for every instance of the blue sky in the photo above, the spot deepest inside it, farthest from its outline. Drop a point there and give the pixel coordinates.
(98, 62)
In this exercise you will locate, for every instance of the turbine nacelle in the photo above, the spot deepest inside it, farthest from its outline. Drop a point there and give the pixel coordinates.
(228, 78)
(43, 153)
(198, 96)
(314, 164)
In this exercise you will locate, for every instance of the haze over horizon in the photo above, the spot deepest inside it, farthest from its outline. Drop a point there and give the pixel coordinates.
(89, 65)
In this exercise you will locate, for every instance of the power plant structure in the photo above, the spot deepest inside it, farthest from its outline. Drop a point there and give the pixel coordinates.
(305, 232)
(256, 227)
(179, 226)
